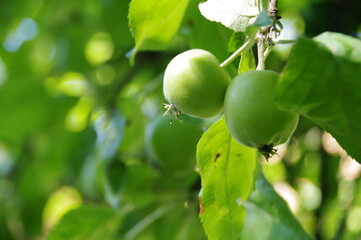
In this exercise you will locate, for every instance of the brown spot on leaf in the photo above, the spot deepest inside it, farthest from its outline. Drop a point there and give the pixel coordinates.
(190, 23)
(201, 208)
(217, 156)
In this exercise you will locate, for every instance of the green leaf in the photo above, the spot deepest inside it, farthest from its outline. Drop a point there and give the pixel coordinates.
(247, 62)
(321, 82)
(236, 41)
(200, 33)
(152, 219)
(87, 222)
(234, 14)
(226, 168)
(341, 45)
(268, 216)
(139, 189)
(31, 100)
(154, 23)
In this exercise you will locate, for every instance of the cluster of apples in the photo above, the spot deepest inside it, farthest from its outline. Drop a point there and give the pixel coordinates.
(196, 85)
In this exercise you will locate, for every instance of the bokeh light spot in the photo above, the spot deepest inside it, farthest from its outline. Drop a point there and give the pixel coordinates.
(77, 117)
(353, 219)
(59, 203)
(349, 169)
(73, 84)
(330, 145)
(99, 48)
(3, 72)
(26, 31)
(310, 194)
(289, 195)
(6, 160)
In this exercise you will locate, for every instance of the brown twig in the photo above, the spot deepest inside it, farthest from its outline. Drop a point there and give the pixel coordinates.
(272, 9)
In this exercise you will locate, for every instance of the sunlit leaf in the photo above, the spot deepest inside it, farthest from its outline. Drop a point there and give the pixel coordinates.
(226, 168)
(341, 45)
(234, 14)
(319, 83)
(154, 23)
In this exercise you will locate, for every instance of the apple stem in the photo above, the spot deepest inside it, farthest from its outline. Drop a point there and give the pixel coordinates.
(248, 44)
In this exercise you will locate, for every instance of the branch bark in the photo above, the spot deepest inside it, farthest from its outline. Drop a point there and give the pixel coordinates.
(272, 8)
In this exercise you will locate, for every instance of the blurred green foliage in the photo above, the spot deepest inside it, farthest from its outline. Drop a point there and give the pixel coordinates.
(73, 112)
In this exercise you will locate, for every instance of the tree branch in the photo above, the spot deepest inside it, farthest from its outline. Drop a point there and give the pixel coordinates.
(272, 9)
